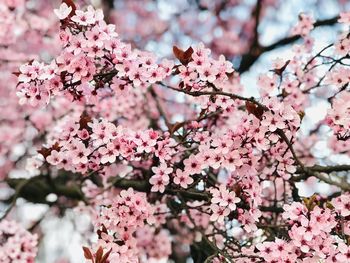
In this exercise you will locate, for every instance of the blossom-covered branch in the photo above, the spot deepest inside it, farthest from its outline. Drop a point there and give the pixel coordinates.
(169, 158)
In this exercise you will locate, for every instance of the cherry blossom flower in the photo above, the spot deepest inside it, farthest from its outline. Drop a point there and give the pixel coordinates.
(83, 18)
(344, 17)
(183, 179)
(219, 213)
(54, 158)
(304, 26)
(192, 165)
(63, 11)
(159, 183)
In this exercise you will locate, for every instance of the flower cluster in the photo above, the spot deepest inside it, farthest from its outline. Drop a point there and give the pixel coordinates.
(341, 205)
(92, 55)
(160, 178)
(202, 69)
(22, 28)
(304, 25)
(338, 117)
(82, 144)
(17, 244)
(123, 216)
(223, 203)
(153, 245)
(311, 234)
(342, 45)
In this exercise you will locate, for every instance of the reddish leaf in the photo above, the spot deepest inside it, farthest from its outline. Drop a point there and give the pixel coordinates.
(99, 254)
(184, 56)
(188, 53)
(56, 147)
(105, 257)
(16, 73)
(47, 151)
(84, 120)
(178, 52)
(177, 126)
(88, 254)
(254, 109)
(99, 232)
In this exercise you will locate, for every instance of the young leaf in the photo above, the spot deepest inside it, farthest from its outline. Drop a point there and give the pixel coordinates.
(254, 109)
(178, 52)
(88, 254)
(184, 56)
(47, 151)
(105, 257)
(84, 120)
(188, 53)
(16, 73)
(99, 254)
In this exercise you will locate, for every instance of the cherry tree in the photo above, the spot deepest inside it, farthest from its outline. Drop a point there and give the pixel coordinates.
(168, 156)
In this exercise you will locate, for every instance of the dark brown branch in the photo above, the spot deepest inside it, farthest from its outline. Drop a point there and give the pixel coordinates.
(256, 13)
(159, 108)
(108, 6)
(329, 169)
(37, 188)
(315, 171)
(320, 173)
(18, 191)
(253, 55)
(291, 39)
(143, 185)
(218, 92)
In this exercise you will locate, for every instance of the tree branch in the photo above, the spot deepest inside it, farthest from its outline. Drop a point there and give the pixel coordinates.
(218, 92)
(143, 185)
(329, 169)
(252, 56)
(35, 189)
(18, 190)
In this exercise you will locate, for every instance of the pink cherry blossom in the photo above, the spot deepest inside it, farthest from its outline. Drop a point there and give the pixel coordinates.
(63, 11)
(183, 179)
